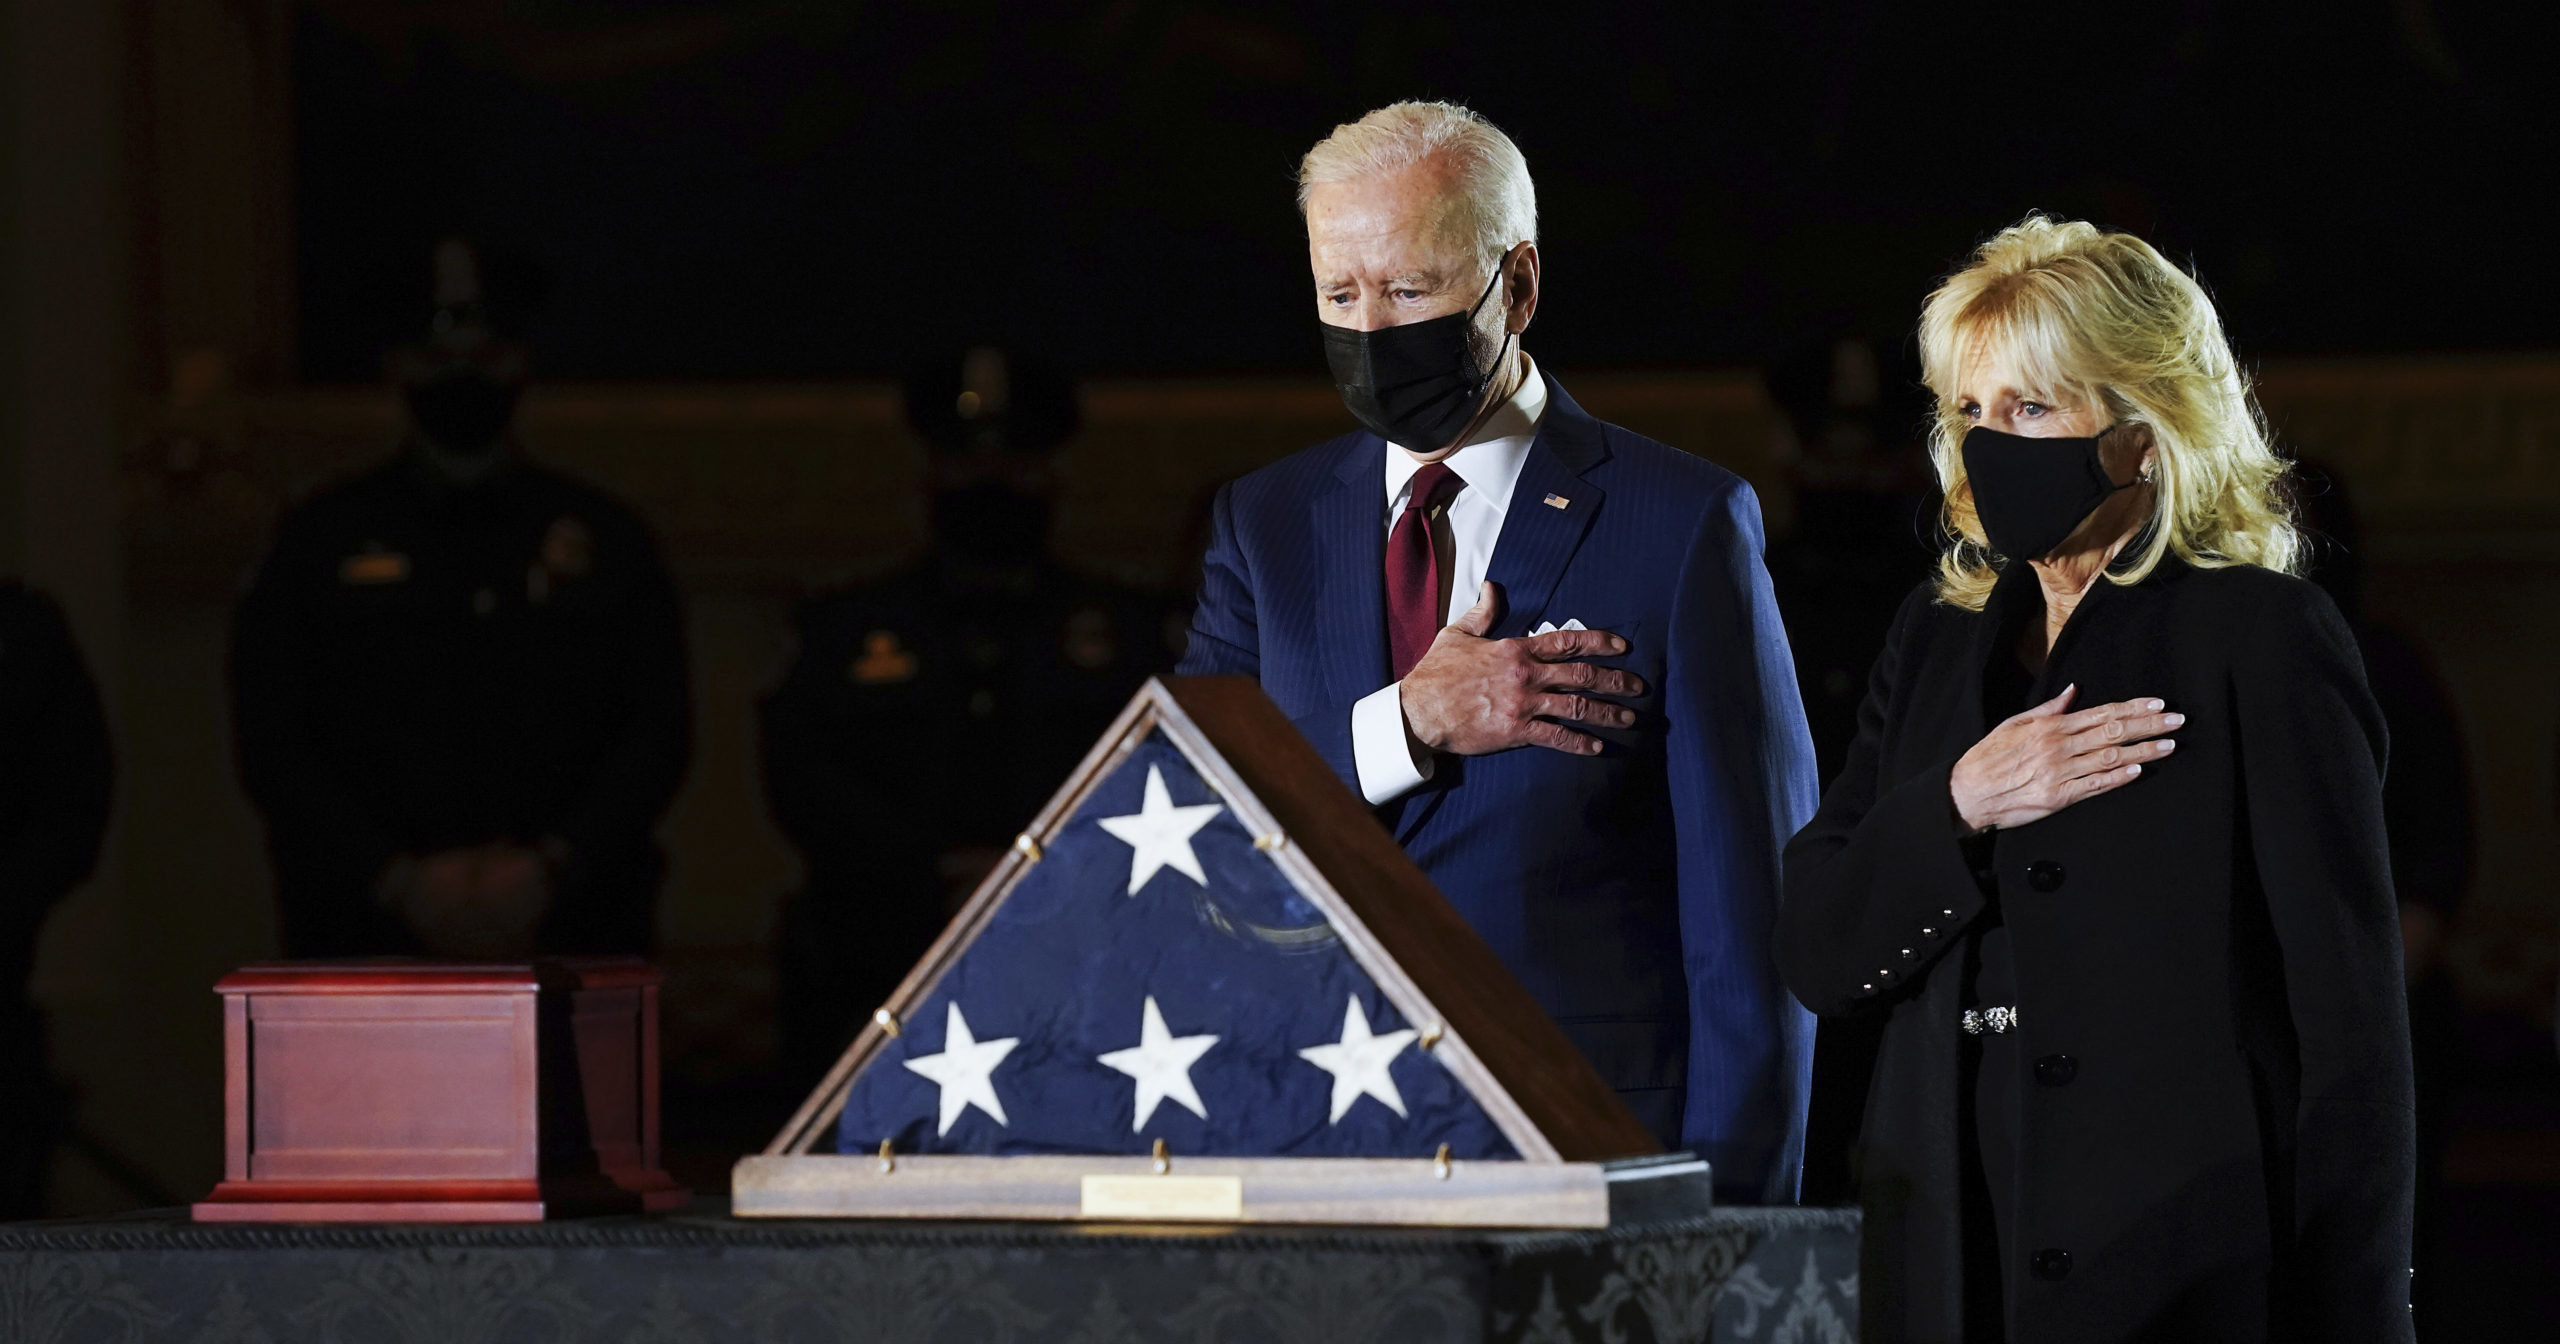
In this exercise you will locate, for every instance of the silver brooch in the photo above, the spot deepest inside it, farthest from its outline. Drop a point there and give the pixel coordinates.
(1993, 1020)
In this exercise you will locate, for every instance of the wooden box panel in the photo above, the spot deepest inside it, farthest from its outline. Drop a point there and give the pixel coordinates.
(412, 1090)
(357, 1087)
(615, 1075)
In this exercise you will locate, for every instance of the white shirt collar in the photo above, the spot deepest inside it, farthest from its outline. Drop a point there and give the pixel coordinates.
(1491, 458)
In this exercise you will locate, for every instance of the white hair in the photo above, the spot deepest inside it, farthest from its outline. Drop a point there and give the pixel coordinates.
(1494, 209)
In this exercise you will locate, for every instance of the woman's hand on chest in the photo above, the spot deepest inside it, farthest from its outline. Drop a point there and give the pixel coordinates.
(2041, 761)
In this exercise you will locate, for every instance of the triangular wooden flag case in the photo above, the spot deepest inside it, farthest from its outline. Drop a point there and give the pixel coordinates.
(962, 1097)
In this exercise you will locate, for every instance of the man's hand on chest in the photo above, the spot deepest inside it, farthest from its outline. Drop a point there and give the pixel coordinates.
(1472, 696)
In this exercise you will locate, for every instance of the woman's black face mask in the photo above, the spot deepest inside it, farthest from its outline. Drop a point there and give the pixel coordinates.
(2031, 493)
(1418, 384)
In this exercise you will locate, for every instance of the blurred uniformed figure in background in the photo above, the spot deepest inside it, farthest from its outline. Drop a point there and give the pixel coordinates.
(55, 777)
(1865, 515)
(928, 715)
(1864, 518)
(459, 682)
(2427, 819)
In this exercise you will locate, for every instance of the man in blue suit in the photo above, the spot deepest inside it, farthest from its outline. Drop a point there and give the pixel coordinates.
(1545, 648)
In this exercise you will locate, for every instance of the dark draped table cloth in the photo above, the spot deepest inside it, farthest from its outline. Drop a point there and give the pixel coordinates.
(1735, 1274)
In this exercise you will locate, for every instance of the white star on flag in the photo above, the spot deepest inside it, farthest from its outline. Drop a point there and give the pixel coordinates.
(965, 1070)
(1159, 834)
(1161, 1062)
(1359, 1062)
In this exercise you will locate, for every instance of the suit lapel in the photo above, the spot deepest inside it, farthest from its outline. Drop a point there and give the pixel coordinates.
(1551, 509)
(1348, 523)
(2013, 600)
(2094, 620)
(1538, 540)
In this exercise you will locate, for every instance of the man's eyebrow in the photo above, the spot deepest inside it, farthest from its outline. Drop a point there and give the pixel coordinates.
(1408, 280)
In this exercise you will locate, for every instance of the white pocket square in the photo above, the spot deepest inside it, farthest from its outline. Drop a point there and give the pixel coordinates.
(1550, 627)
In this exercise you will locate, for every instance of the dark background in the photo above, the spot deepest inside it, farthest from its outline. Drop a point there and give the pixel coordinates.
(762, 189)
(727, 226)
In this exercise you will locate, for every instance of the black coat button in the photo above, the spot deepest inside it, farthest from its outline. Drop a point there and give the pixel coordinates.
(2057, 1070)
(2044, 875)
(2052, 1262)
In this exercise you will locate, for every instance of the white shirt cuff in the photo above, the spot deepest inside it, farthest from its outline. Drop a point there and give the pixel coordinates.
(1380, 749)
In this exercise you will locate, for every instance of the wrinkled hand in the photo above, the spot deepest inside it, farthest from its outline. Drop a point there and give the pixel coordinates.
(2039, 762)
(1471, 696)
(513, 877)
(483, 902)
(444, 878)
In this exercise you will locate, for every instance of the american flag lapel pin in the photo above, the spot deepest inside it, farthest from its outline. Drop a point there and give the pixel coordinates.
(1557, 501)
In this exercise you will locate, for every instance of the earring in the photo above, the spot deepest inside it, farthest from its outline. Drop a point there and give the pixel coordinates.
(2145, 477)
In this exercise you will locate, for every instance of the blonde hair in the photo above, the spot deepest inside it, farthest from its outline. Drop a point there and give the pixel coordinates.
(2082, 313)
(1495, 207)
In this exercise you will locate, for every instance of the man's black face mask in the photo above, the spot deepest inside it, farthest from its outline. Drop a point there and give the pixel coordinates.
(463, 410)
(2030, 493)
(1415, 385)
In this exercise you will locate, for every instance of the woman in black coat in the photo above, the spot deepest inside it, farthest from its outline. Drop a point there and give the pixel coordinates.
(2107, 856)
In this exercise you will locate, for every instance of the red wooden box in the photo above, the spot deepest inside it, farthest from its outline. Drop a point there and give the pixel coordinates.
(416, 1091)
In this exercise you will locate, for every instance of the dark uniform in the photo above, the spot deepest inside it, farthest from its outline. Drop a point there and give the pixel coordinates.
(423, 665)
(53, 811)
(928, 716)
(1864, 510)
(2426, 812)
(1865, 521)
(1840, 575)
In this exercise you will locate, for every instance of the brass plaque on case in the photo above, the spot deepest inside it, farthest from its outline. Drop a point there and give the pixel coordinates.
(1164, 1197)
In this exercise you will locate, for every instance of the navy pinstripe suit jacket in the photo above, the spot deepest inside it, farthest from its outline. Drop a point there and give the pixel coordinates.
(1633, 893)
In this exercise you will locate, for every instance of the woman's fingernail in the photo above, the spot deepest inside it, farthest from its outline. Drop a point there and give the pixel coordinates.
(2131, 770)
(2174, 720)
(2167, 747)
(2155, 704)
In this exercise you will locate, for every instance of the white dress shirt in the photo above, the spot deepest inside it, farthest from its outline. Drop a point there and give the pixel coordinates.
(1489, 462)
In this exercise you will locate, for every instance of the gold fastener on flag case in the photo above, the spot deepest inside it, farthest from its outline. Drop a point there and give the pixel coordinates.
(1027, 847)
(1267, 843)
(887, 1161)
(887, 1021)
(1164, 1161)
(1440, 1163)
(1431, 1036)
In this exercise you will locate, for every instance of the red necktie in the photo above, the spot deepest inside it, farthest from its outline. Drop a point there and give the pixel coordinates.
(1414, 617)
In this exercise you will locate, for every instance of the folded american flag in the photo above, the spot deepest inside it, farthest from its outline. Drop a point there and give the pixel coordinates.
(1154, 975)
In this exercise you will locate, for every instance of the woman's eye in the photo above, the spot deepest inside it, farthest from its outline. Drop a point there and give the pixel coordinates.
(2031, 409)
(1970, 410)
